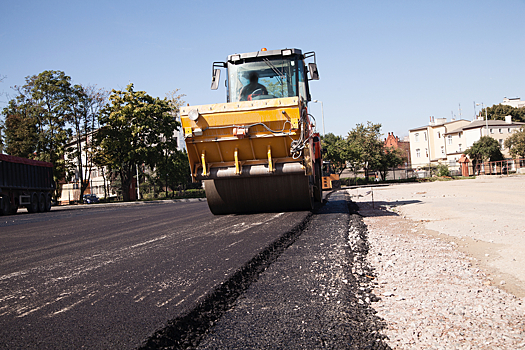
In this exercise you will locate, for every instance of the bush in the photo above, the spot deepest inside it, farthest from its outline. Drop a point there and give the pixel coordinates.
(191, 193)
(442, 170)
(350, 181)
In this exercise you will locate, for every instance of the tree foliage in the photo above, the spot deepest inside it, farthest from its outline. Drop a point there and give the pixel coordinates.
(363, 148)
(335, 151)
(135, 128)
(20, 132)
(388, 159)
(85, 106)
(485, 149)
(173, 169)
(366, 147)
(42, 103)
(499, 111)
(516, 144)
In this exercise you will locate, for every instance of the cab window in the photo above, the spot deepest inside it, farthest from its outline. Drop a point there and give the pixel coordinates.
(266, 79)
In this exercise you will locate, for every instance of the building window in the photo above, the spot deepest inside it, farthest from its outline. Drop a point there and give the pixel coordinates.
(417, 137)
(460, 134)
(426, 152)
(500, 131)
(439, 135)
(510, 130)
(492, 131)
(418, 153)
(501, 144)
(459, 147)
(449, 139)
(425, 135)
(442, 150)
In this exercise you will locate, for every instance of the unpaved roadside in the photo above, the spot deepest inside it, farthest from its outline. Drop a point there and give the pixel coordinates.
(485, 217)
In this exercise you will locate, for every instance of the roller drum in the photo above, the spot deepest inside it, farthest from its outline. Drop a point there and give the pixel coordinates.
(259, 194)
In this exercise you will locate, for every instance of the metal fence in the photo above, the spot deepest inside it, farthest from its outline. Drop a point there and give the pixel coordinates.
(503, 167)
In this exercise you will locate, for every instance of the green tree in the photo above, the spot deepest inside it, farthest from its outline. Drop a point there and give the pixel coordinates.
(365, 147)
(42, 101)
(335, 151)
(483, 150)
(167, 169)
(19, 129)
(499, 111)
(134, 125)
(388, 159)
(516, 144)
(85, 106)
(174, 173)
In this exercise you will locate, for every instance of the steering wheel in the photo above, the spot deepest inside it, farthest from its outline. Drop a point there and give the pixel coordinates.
(255, 93)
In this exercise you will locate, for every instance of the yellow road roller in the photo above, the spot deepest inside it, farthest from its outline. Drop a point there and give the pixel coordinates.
(259, 151)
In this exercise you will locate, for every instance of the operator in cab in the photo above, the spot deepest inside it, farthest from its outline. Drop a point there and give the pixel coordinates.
(253, 88)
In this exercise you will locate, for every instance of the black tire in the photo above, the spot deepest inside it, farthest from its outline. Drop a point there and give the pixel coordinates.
(48, 202)
(5, 206)
(318, 183)
(41, 202)
(33, 206)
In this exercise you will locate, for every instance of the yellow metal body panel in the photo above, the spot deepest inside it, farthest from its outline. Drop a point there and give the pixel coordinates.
(327, 181)
(221, 144)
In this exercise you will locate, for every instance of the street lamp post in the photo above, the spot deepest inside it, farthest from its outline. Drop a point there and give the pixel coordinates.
(322, 112)
(486, 118)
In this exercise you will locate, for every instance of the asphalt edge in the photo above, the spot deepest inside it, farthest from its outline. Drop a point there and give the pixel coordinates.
(186, 331)
(119, 204)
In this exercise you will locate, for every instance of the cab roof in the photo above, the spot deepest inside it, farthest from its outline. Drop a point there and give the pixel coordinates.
(282, 52)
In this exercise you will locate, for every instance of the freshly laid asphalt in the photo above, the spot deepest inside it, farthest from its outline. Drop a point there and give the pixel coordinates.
(308, 298)
(173, 276)
(110, 277)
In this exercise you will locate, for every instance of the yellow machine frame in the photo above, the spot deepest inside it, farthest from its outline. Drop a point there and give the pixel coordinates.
(231, 139)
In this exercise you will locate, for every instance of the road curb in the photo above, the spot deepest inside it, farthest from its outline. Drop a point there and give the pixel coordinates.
(117, 204)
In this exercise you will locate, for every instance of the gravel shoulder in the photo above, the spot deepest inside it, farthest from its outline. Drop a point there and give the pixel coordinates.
(448, 275)
(484, 217)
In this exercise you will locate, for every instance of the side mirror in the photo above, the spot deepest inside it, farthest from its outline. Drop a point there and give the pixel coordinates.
(314, 74)
(215, 79)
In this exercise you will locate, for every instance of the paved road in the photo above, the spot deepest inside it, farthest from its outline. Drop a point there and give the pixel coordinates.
(309, 298)
(108, 278)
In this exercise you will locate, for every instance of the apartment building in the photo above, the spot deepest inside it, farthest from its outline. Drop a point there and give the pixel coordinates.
(466, 135)
(96, 177)
(513, 102)
(429, 144)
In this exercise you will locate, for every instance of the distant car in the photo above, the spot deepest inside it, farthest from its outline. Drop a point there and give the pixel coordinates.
(90, 198)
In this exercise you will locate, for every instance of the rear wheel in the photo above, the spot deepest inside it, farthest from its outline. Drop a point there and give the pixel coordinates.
(41, 202)
(33, 206)
(48, 202)
(5, 206)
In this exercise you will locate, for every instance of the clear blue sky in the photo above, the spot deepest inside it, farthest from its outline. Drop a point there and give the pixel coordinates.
(389, 62)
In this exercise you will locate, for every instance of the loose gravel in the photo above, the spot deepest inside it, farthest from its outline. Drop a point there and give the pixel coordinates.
(430, 295)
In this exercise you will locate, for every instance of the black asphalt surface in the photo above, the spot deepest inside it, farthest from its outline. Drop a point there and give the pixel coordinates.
(309, 298)
(122, 277)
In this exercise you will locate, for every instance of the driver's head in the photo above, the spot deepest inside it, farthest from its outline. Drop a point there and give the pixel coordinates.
(254, 77)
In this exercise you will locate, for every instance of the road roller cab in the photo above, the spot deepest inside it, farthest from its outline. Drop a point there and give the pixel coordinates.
(259, 151)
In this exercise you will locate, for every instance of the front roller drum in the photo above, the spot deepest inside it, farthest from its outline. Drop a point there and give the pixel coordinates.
(265, 194)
